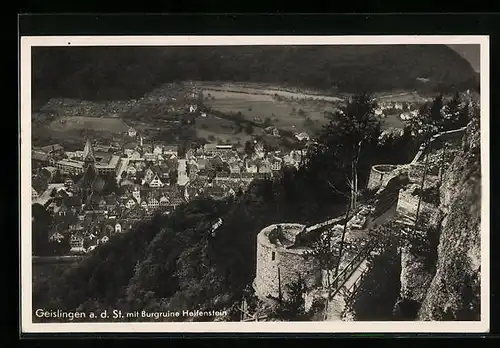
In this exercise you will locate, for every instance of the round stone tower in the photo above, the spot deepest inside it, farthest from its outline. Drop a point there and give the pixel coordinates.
(281, 261)
(378, 174)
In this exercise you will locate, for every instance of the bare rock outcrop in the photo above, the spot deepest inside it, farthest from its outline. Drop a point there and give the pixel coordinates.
(455, 289)
(449, 288)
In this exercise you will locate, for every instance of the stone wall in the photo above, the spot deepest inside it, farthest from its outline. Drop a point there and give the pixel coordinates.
(290, 263)
(407, 206)
(453, 136)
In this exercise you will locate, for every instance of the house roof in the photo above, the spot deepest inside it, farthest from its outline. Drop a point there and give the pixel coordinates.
(56, 235)
(250, 163)
(126, 182)
(50, 169)
(130, 145)
(222, 174)
(93, 202)
(170, 148)
(147, 148)
(216, 160)
(52, 148)
(210, 147)
(39, 156)
(157, 169)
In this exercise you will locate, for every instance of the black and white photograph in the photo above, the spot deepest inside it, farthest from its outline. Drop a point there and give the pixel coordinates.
(325, 184)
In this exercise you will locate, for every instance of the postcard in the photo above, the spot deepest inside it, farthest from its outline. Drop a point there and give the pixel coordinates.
(304, 184)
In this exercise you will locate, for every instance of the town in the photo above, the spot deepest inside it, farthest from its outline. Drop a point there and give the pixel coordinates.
(102, 190)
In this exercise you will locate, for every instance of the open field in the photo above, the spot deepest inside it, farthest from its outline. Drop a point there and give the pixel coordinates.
(75, 123)
(71, 131)
(223, 138)
(288, 115)
(268, 89)
(223, 130)
(392, 121)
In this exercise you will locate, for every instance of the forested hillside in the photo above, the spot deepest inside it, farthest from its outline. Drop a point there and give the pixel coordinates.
(108, 73)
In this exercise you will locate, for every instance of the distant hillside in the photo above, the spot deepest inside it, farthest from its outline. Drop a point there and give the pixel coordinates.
(104, 73)
(469, 52)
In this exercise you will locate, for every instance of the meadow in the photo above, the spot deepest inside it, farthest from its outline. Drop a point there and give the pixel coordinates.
(216, 129)
(292, 115)
(70, 131)
(76, 123)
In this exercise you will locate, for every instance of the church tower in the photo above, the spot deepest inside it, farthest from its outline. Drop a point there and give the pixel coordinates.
(88, 154)
(90, 182)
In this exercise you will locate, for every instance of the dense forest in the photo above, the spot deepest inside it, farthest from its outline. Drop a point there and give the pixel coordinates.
(122, 73)
(175, 261)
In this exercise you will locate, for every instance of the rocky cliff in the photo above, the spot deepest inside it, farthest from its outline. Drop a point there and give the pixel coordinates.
(444, 282)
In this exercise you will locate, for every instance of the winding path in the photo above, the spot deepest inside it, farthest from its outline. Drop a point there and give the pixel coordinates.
(352, 274)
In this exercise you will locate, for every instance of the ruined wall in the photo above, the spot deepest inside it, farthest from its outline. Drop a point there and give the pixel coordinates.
(406, 208)
(453, 136)
(290, 263)
(407, 204)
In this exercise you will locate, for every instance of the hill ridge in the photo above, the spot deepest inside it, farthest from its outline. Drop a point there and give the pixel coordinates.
(112, 73)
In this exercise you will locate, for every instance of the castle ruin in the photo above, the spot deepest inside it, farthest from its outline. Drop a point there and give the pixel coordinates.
(280, 261)
(281, 247)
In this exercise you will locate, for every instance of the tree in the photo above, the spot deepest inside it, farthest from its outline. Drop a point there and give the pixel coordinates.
(355, 126)
(110, 185)
(41, 222)
(293, 306)
(249, 148)
(452, 112)
(61, 247)
(325, 252)
(86, 243)
(249, 129)
(58, 178)
(424, 125)
(267, 122)
(463, 116)
(436, 115)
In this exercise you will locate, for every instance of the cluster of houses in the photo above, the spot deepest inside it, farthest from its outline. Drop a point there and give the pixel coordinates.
(148, 178)
(406, 111)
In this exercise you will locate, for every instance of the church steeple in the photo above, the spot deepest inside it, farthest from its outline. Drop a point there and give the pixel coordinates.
(88, 153)
(90, 182)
